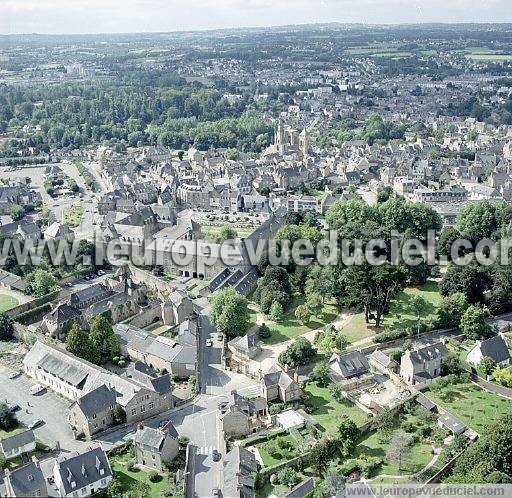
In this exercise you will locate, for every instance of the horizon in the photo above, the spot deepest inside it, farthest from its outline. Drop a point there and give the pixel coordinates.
(67, 17)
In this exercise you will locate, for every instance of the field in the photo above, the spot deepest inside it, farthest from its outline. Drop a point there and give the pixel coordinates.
(130, 478)
(472, 405)
(373, 446)
(210, 231)
(289, 327)
(73, 216)
(403, 312)
(329, 411)
(7, 302)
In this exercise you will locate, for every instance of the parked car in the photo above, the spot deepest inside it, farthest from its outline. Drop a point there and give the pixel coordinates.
(35, 423)
(13, 407)
(216, 456)
(15, 374)
(36, 389)
(209, 343)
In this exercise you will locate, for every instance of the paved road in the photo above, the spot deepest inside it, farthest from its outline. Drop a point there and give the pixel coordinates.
(46, 406)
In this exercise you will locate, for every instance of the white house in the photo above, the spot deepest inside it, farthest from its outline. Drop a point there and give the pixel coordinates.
(494, 348)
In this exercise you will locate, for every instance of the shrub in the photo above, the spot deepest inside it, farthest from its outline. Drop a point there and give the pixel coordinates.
(154, 476)
(121, 363)
(131, 465)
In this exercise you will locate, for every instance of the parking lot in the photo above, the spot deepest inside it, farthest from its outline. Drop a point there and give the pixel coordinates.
(48, 406)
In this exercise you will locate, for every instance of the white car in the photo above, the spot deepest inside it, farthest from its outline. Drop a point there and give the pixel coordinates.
(209, 343)
(35, 423)
(13, 375)
(36, 389)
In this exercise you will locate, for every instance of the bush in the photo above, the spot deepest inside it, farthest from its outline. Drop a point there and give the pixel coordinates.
(121, 363)
(154, 476)
(131, 465)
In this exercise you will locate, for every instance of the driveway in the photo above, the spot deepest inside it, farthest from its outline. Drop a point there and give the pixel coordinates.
(46, 406)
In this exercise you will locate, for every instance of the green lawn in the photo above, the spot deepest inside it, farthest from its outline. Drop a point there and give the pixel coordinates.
(373, 446)
(281, 455)
(73, 216)
(289, 327)
(7, 302)
(403, 312)
(472, 405)
(329, 411)
(129, 478)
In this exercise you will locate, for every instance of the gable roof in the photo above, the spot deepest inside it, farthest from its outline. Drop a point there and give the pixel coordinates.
(350, 364)
(239, 464)
(494, 348)
(14, 442)
(83, 469)
(97, 400)
(24, 481)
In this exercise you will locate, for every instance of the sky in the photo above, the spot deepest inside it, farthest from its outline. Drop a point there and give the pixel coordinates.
(128, 16)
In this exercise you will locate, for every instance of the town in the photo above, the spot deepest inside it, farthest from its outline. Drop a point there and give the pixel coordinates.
(170, 371)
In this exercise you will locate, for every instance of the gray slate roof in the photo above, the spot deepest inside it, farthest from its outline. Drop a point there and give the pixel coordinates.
(495, 348)
(239, 463)
(13, 442)
(83, 469)
(26, 480)
(97, 400)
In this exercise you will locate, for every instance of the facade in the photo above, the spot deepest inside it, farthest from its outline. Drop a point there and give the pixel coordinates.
(82, 474)
(93, 412)
(19, 444)
(243, 349)
(494, 348)
(279, 385)
(142, 395)
(154, 447)
(424, 364)
(241, 416)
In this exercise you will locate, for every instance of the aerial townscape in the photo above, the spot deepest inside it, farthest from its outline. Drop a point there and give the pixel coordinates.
(171, 321)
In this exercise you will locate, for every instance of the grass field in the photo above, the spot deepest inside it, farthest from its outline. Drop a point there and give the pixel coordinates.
(129, 478)
(472, 405)
(73, 216)
(289, 327)
(419, 456)
(282, 455)
(7, 302)
(490, 57)
(403, 312)
(329, 411)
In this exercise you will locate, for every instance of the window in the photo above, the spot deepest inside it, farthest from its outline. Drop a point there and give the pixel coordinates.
(143, 408)
(151, 405)
(103, 482)
(134, 411)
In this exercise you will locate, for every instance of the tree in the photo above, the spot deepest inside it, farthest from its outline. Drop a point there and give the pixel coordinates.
(373, 287)
(17, 212)
(384, 421)
(119, 414)
(263, 331)
(288, 477)
(320, 374)
(229, 312)
(349, 434)
(7, 419)
(40, 283)
(276, 311)
(474, 323)
(139, 489)
(314, 303)
(334, 484)
(486, 366)
(477, 221)
(399, 448)
(475, 466)
(451, 309)
(103, 338)
(320, 456)
(303, 314)
(471, 280)
(79, 344)
(115, 488)
(299, 352)
(6, 327)
(225, 233)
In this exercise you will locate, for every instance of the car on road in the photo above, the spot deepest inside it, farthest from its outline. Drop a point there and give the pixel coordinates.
(216, 493)
(15, 374)
(36, 389)
(35, 423)
(209, 343)
(216, 456)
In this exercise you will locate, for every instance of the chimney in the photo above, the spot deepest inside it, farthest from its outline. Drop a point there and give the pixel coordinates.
(296, 376)
(286, 367)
